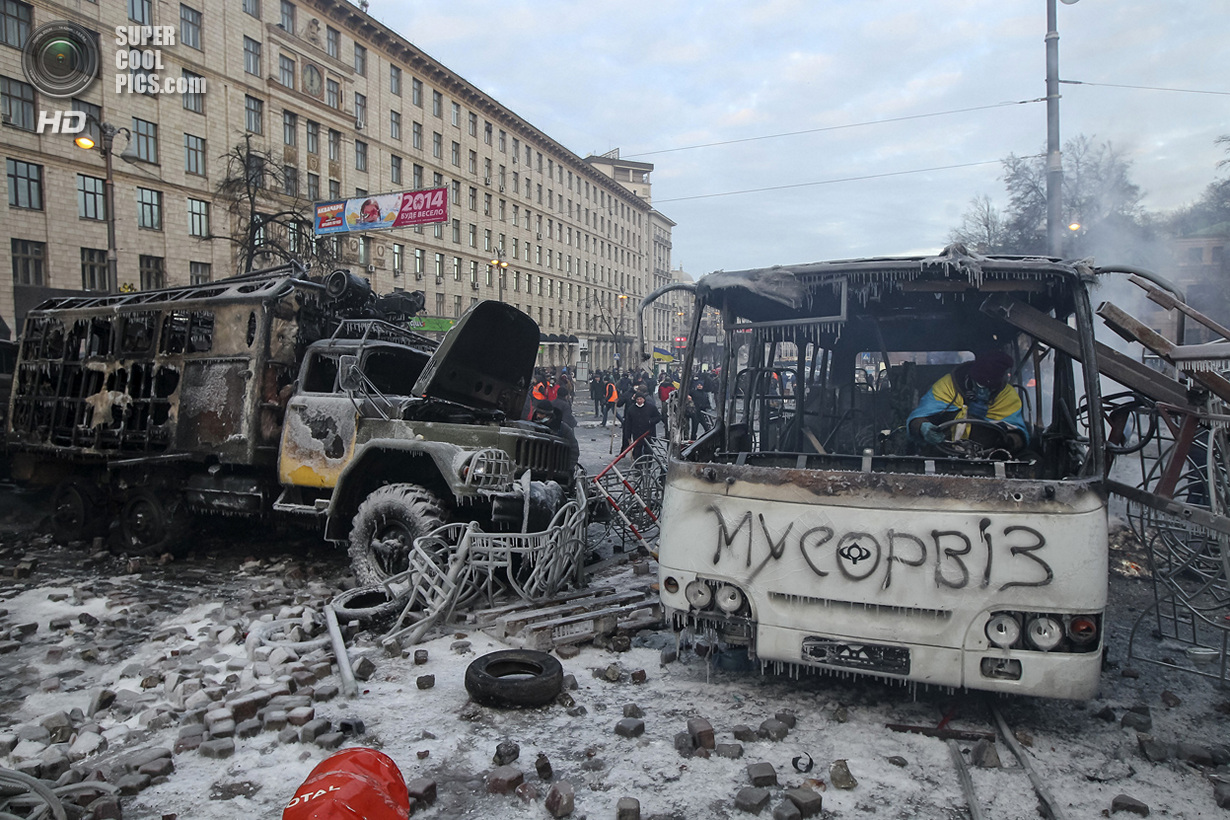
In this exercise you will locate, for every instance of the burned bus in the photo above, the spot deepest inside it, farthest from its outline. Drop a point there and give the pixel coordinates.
(815, 528)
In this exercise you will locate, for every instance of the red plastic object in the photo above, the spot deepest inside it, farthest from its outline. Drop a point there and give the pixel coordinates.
(354, 784)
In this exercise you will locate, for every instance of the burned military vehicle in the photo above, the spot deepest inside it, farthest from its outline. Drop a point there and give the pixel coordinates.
(814, 529)
(272, 393)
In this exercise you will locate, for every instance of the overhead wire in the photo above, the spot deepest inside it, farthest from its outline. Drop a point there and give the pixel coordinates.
(905, 118)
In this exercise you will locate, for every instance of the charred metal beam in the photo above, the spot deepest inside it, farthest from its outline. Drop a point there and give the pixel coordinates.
(1133, 329)
(1186, 512)
(1111, 363)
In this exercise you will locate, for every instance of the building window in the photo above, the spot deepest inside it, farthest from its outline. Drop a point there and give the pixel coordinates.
(417, 178)
(455, 154)
(456, 118)
(333, 42)
(313, 186)
(418, 262)
(190, 27)
(252, 7)
(288, 16)
(199, 273)
(290, 180)
(416, 92)
(194, 97)
(91, 197)
(395, 80)
(140, 11)
(437, 145)
(254, 114)
(360, 110)
(437, 104)
(290, 128)
(333, 94)
(15, 23)
(153, 272)
(335, 189)
(25, 184)
(416, 134)
(473, 124)
(251, 56)
(28, 259)
(335, 145)
(360, 155)
(194, 155)
(149, 209)
(395, 169)
(312, 133)
(395, 125)
(503, 141)
(439, 266)
(198, 218)
(399, 253)
(94, 270)
(365, 250)
(17, 103)
(286, 71)
(360, 60)
(487, 133)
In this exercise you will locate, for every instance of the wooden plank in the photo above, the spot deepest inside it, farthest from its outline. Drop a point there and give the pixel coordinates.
(1111, 363)
(514, 622)
(1133, 329)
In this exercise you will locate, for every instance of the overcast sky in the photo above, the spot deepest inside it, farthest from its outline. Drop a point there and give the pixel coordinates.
(713, 92)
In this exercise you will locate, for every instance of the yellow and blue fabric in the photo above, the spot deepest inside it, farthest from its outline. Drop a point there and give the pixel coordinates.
(944, 397)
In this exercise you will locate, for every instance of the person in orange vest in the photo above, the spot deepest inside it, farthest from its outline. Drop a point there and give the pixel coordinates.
(611, 393)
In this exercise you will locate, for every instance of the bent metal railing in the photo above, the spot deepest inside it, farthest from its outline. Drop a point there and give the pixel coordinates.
(457, 565)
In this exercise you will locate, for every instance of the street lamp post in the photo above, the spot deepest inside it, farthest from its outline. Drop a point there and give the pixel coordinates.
(619, 332)
(1054, 160)
(498, 265)
(107, 133)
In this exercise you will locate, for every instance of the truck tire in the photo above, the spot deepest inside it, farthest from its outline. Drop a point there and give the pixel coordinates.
(151, 523)
(385, 526)
(79, 511)
(515, 677)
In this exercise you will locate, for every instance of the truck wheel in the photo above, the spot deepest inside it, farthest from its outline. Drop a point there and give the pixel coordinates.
(78, 511)
(514, 677)
(385, 526)
(150, 523)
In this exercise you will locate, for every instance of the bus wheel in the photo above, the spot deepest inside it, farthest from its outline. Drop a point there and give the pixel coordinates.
(384, 529)
(78, 511)
(150, 523)
(515, 677)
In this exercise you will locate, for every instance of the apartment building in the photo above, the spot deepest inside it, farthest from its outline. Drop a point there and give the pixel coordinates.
(348, 108)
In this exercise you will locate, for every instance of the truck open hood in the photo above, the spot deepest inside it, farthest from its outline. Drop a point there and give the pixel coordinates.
(485, 361)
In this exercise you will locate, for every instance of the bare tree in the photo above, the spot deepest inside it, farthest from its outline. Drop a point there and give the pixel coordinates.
(982, 226)
(271, 221)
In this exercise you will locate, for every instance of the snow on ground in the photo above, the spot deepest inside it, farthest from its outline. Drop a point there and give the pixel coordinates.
(437, 733)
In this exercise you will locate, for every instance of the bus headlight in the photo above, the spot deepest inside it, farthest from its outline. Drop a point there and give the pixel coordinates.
(1044, 632)
(1082, 629)
(729, 599)
(699, 594)
(1003, 630)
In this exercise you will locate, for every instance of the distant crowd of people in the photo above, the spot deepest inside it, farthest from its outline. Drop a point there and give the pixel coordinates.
(634, 400)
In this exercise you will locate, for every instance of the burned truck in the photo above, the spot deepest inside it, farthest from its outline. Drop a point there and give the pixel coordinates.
(815, 529)
(273, 394)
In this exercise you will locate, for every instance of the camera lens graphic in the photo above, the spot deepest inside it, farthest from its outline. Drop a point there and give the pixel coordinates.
(61, 58)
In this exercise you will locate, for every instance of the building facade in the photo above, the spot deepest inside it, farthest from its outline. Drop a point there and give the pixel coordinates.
(345, 107)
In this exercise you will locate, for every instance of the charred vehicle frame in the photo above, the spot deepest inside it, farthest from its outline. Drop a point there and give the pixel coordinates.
(810, 529)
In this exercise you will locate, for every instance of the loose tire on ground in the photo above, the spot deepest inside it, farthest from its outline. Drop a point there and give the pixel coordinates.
(514, 678)
(384, 529)
(367, 604)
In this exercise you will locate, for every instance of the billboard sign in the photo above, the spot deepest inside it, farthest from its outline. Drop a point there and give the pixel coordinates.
(382, 211)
